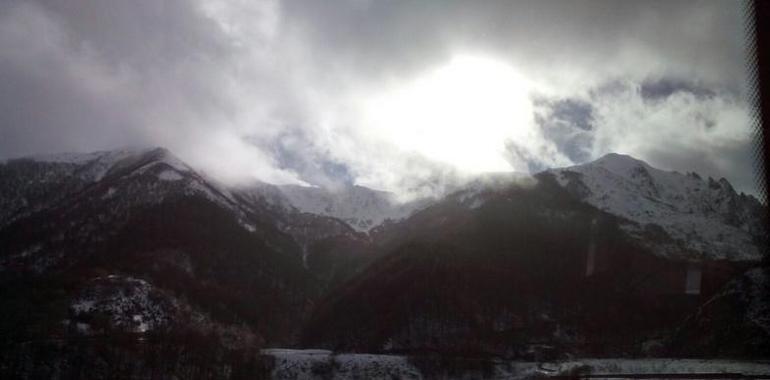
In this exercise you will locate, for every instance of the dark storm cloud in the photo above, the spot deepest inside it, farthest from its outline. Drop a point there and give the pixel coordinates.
(663, 88)
(46, 100)
(142, 34)
(81, 74)
(220, 82)
(574, 112)
(389, 37)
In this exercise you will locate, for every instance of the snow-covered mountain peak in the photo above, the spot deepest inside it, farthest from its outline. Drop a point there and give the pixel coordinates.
(163, 155)
(620, 163)
(95, 166)
(702, 217)
(125, 176)
(102, 155)
(360, 207)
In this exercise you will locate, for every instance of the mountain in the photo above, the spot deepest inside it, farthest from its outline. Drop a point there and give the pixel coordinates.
(702, 218)
(134, 244)
(360, 207)
(132, 255)
(597, 259)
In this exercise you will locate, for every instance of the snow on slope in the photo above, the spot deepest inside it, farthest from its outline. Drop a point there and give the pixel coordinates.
(357, 206)
(94, 166)
(130, 304)
(705, 218)
(122, 178)
(360, 207)
(702, 217)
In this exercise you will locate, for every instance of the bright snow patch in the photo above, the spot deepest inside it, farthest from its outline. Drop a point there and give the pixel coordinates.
(130, 303)
(359, 207)
(690, 210)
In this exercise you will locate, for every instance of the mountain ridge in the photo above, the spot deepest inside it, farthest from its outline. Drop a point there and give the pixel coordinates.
(706, 216)
(363, 209)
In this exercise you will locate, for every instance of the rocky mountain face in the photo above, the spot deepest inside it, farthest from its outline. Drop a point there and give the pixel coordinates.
(704, 218)
(138, 249)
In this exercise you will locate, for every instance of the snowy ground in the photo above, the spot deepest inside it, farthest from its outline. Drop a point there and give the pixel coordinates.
(323, 364)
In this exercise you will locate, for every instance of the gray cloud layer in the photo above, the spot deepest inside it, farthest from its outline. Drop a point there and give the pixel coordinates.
(269, 90)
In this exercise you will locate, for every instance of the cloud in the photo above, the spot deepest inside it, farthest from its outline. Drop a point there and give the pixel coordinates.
(568, 124)
(275, 90)
(575, 41)
(684, 131)
(83, 76)
(663, 88)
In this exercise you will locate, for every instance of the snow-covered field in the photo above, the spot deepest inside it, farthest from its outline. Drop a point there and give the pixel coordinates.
(323, 364)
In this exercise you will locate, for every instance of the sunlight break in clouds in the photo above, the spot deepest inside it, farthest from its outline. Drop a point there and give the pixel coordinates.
(459, 114)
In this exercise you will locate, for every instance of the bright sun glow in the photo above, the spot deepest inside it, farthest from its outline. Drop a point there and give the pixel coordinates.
(461, 114)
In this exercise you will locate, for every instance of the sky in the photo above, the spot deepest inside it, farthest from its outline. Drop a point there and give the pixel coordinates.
(405, 96)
